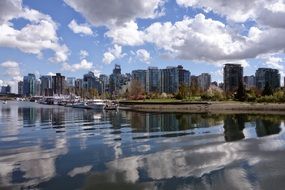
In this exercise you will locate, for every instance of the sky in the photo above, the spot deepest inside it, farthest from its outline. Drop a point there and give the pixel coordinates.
(73, 37)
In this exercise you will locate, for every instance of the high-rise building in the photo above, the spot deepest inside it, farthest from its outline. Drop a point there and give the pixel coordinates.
(170, 80)
(194, 81)
(70, 82)
(58, 84)
(153, 80)
(249, 81)
(20, 88)
(183, 76)
(46, 85)
(29, 86)
(105, 82)
(38, 87)
(78, 83)
(140, 76)
(233, 76)
(6, 89)
(90, 81)
(204, 81)
(267, 75)
(115, 81)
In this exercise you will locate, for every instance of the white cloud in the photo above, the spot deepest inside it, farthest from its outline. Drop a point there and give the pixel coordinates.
(205, 39)
(9, 9)
(83, 54)
(51, 74)
(34, 37)
(12, 74)
(80, 28)
(114, 12)
(127, 34)
(274, 61)
(96, 72)
(143, 55)
(83, 65)
(268, 12)
(12, 70)
(112, 54)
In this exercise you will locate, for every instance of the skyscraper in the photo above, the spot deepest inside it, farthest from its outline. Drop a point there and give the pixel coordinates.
(90, 81)
(105, 82)
(153, 80)
(140, 76)
(184, 76)
(233, 76)
(170, 80)
(115, 80)
(249, 81)
(267, 75)
(58, 84)
(6, 89)
(204, 81)
(46, 85)
(20, 88)
(70, 81)
(29, 86)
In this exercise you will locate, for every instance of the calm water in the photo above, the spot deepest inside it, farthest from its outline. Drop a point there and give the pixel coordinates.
(51, 147)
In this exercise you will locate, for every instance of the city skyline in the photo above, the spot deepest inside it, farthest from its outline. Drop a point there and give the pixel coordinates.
(199, 35)
(153, 80)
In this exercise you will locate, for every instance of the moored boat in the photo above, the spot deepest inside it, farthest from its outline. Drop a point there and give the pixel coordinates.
(96, 104)
(111, 106)
(83, 105)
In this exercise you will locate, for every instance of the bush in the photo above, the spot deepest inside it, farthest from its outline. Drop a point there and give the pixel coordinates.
(178, 96)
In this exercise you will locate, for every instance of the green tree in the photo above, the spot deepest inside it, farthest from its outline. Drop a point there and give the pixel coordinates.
(240, 94)
(267, 90)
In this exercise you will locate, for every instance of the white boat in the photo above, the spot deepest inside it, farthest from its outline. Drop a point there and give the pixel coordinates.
(111, 106)
(83, 105)
(5, 102)
(96, 104)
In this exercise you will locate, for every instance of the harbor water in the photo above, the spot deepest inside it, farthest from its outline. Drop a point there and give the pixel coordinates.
(56, 147)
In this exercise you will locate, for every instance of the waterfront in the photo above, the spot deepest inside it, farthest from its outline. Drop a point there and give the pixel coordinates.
(53, 147)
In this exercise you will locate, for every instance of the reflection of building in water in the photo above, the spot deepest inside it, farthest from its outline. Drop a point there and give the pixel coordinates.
(29, 115)
(154, 122)
(46, 115)
(267, 127)
(58, 117)
(234, 126)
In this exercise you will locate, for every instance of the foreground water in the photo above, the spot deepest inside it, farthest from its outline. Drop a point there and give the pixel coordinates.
(52, 147)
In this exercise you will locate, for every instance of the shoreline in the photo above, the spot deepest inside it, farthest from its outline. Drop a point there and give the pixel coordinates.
(204, 107)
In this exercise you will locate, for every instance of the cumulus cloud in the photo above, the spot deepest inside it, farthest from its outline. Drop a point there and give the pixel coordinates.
(83, 65)
(274, 61)
(12, 70)
(112, 54)
(51, 74)
(37, 35)
(143, 55)
(9, 9)
(83, 29)
(114, 12)
(268, 12)
(83, 54)
(127, 34)
(12, 74)
(205, 39)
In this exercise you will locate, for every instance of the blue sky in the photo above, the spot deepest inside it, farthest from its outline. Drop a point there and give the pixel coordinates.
(73, 37)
